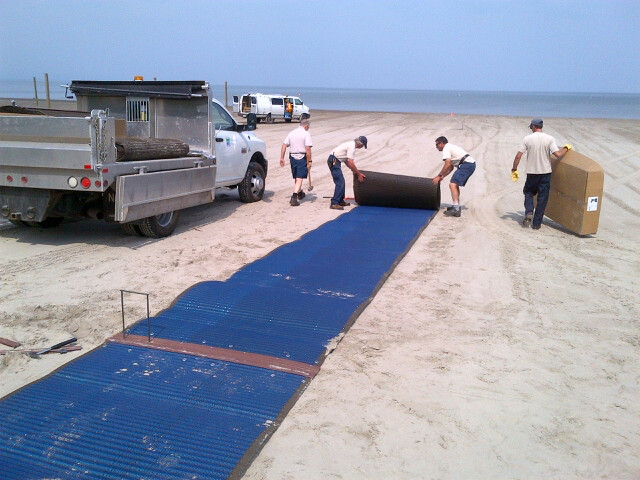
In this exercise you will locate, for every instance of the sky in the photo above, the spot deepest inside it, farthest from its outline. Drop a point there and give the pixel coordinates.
(469, 45)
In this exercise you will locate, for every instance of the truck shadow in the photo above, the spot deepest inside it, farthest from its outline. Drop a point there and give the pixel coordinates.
(96, 232)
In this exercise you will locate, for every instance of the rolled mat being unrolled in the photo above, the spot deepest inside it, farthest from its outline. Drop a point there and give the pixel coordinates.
(134, 148)
(402, 191)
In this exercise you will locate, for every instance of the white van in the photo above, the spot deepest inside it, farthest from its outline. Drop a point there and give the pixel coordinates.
(270, 107)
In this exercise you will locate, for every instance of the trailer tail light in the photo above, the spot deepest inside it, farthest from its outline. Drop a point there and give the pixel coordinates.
(98, 184)
(9, 178)
(85, 182)
(24, 179)
(72, 181)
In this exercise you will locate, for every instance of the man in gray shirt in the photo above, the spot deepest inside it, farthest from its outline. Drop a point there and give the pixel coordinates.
(538, 146)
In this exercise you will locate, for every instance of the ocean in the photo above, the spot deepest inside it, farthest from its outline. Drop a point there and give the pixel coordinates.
(526, 104)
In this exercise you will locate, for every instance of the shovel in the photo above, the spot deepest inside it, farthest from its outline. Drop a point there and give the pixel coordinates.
(54, 347)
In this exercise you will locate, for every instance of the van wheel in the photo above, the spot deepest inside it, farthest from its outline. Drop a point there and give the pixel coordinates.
(251, 189)
(159, 226)
(304, 116)
(269, 118)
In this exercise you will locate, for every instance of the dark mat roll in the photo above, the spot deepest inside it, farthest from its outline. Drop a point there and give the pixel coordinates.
(402, 191)
(134, 148)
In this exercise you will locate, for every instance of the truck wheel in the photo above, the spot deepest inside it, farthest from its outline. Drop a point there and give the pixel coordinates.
(159, 226)
(288, 120)
(251, 188)
(303, 116)
(48, 222)
(131, 229)
(269, 118)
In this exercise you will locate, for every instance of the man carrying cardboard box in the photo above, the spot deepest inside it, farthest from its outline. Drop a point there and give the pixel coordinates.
(538, 146)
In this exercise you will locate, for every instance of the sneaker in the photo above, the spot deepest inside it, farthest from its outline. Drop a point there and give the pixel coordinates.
(336, 207)
(344, 204)
(536, 227)
(294, 200)
(454, 212)
(527, 219)
(301, 195)
(450, 209)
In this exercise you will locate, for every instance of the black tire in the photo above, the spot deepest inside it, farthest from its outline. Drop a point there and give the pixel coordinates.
(304, 116)
(251, 189)
(269, 118)
(159, 226)
(288, 120)
(48, 222)
(131, 229)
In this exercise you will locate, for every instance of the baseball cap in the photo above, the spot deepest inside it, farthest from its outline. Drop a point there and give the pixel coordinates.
(363, 140)
(536, 122)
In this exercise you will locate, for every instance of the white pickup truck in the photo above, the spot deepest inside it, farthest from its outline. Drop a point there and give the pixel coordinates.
(270, 107)
(144, 152)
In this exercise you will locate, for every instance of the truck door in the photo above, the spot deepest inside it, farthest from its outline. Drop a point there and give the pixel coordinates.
(236, 104)
(230, 147)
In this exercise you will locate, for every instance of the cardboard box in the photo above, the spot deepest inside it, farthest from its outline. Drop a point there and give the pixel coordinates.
(575, 199)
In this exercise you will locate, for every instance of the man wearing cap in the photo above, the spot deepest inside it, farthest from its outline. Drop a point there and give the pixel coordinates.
(299, 143)
(538, 146)
(454, 156)
(344, 153)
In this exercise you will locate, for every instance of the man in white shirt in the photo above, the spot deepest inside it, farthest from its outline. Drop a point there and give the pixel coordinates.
(454, 157)
(344, 153)
(299, 143)
(538, 147)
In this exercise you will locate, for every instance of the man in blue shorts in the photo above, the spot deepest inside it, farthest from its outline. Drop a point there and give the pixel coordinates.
(454, 156)
(299, 143)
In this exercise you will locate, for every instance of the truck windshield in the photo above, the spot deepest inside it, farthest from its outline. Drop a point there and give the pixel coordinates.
(221, 118)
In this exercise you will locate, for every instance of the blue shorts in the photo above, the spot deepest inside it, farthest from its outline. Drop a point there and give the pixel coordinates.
(299, 167)
(463, 173)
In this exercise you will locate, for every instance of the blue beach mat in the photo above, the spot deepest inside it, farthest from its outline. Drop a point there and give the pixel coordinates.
(130, 412)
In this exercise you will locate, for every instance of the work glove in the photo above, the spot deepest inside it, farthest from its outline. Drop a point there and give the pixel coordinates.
(568, 147)
(515, 175)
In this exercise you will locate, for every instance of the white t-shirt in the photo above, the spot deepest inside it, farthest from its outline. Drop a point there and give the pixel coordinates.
(538, 146)
(455, 153)
(345, 150)
(298, 140)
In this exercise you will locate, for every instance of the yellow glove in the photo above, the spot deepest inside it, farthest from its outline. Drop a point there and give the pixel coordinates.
(568, 147)
(515, 175)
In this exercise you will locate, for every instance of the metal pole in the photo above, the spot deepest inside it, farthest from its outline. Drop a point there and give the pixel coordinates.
(122, 310)
(46, 83)
(122, 292)
(148, 320)
(35, 89)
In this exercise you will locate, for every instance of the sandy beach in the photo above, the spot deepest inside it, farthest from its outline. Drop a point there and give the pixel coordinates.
(492, 351)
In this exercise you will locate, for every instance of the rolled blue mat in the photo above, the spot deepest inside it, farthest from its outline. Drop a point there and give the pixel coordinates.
(401, 191)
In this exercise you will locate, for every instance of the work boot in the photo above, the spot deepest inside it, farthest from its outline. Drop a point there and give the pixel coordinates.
(344, 204)
(454, 212)
(294, 200)
(301, 195)
(527, 219)
(336, 207)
